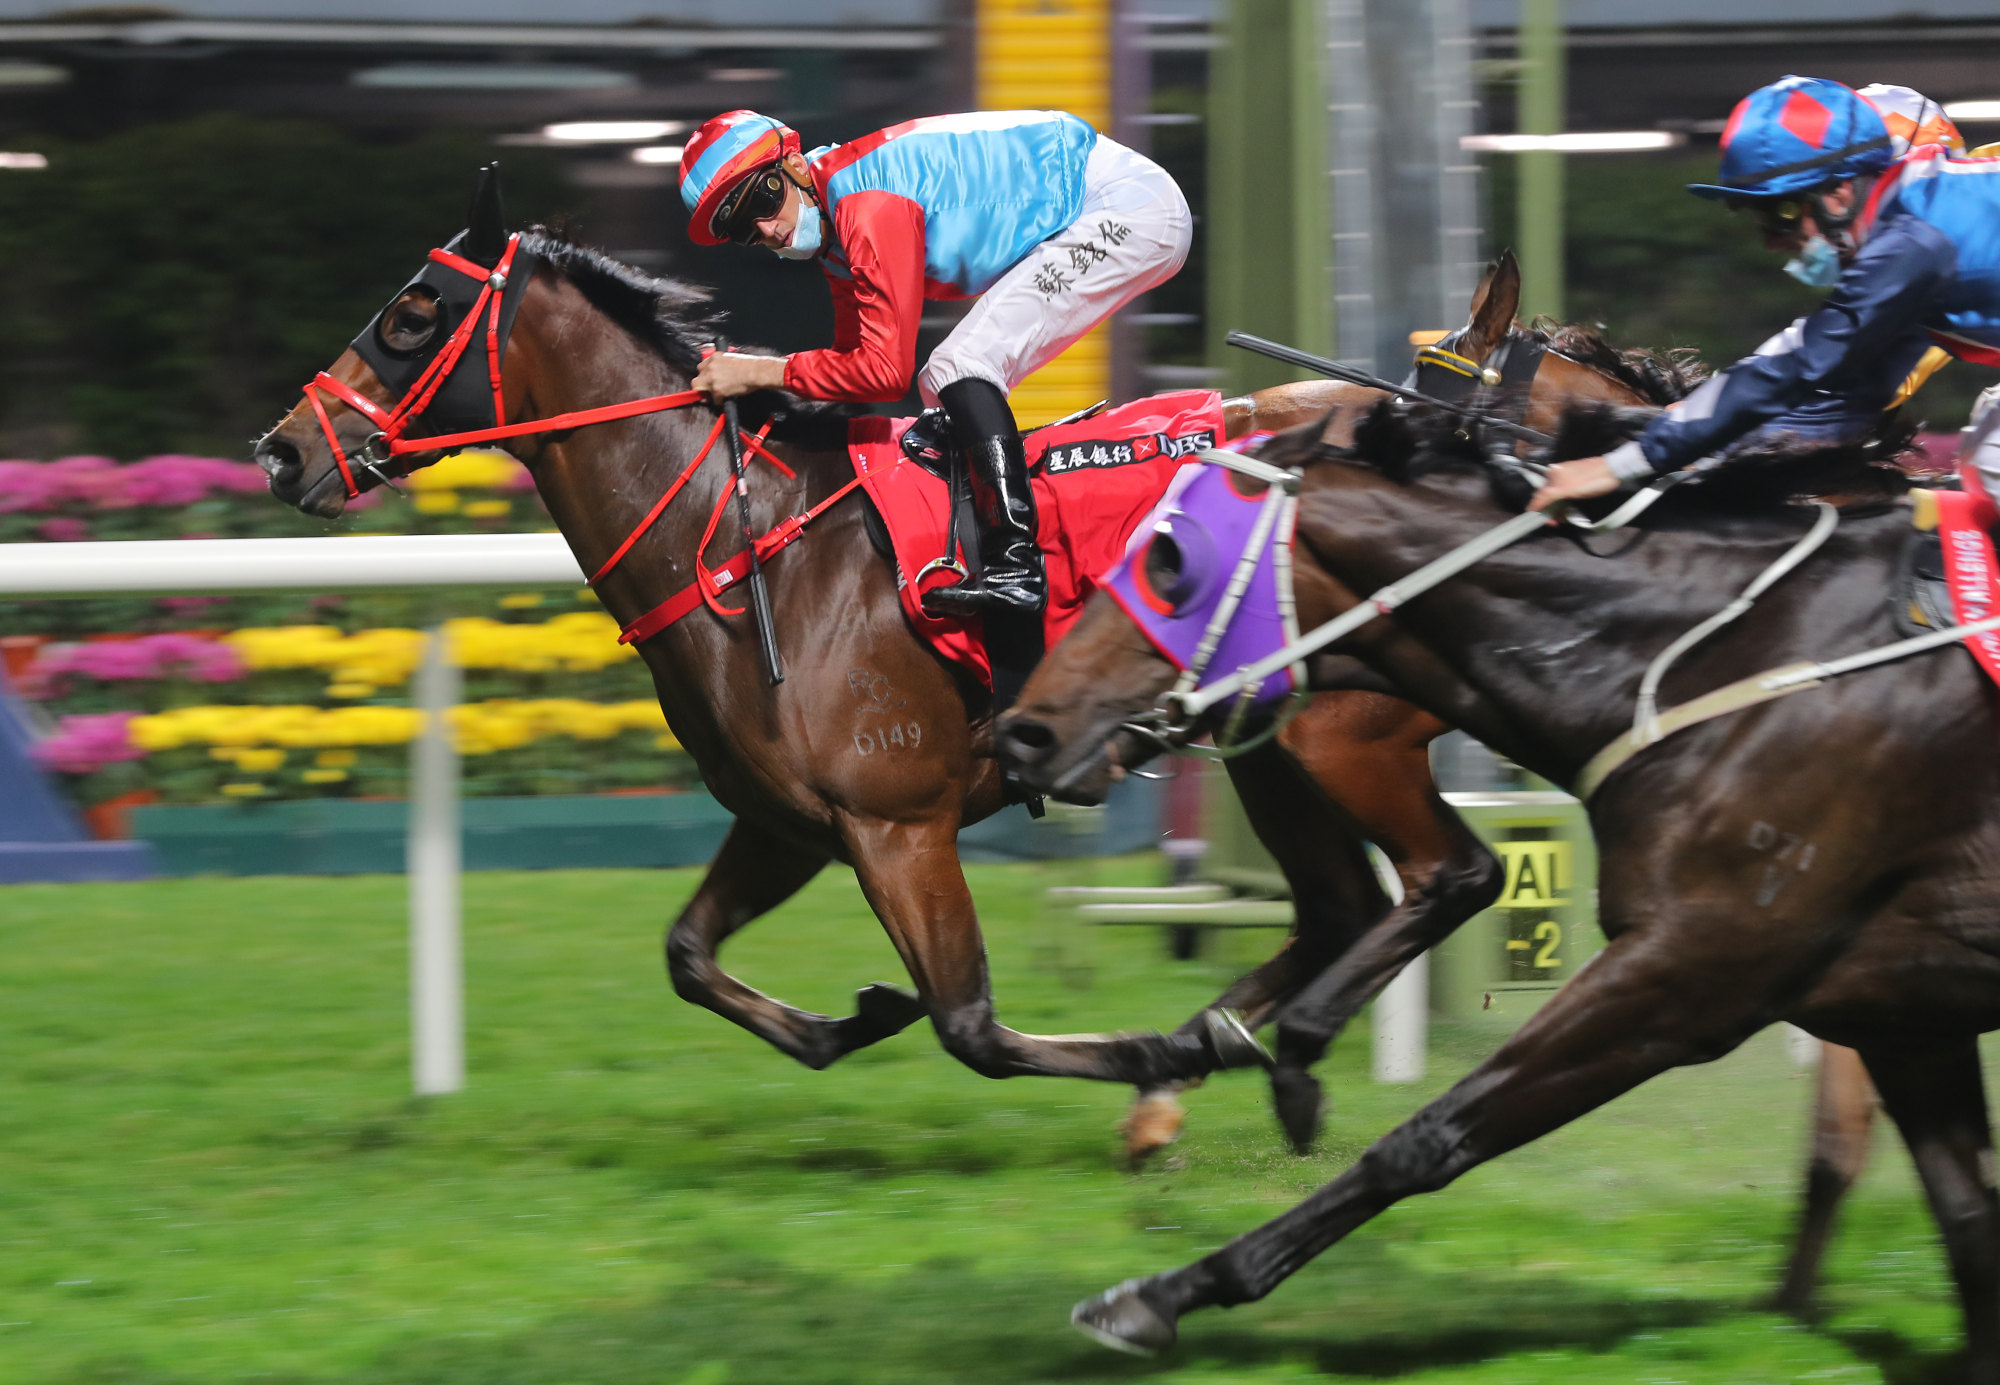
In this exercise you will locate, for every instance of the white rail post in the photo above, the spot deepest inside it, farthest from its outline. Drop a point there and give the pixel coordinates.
(1402, 1010)
(437, 980)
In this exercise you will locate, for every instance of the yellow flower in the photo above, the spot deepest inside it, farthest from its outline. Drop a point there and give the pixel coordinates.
(520, 601)
(433, 502)
(350, 690)
(324, 776)
(241, 790)
(256, 738)
(477, 468)
(489, 509)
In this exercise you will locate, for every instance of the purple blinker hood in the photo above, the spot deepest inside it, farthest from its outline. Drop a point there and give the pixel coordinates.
(1200, 529)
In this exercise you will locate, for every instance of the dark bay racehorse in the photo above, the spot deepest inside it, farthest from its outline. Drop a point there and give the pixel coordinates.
(1368, 752)
(1831, 858)
(587, 332)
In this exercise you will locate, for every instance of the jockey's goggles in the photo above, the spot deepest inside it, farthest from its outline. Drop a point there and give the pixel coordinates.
(757, 198)
(1774, 216)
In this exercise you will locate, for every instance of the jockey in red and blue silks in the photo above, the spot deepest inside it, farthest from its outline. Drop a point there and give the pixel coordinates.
(1050, 225)
(1909, 245)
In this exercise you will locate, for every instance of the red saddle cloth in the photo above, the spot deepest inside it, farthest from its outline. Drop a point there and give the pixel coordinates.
(1965, 524)
(1093, 481)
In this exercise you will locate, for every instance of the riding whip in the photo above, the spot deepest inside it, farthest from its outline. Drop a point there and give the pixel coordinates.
(760, 596)
(1291, 355)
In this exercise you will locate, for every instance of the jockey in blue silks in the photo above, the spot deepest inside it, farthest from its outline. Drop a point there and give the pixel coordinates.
(1908, 239)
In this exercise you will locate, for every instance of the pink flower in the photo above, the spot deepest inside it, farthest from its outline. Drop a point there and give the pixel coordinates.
(128, 661)
(63, 529)
(88, 742)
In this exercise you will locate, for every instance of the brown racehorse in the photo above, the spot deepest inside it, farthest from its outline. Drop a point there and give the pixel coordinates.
(587, 332)
(1749, 876)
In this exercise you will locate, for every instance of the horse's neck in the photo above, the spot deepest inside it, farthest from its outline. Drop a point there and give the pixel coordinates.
(600, 482)
(1540, 649)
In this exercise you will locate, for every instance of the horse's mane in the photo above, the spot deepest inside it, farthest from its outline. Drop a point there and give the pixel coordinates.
(675, 319)
(1761, 476)
(1658, 377)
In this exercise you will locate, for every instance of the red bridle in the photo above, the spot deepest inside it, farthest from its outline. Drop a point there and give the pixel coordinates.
(388, 442)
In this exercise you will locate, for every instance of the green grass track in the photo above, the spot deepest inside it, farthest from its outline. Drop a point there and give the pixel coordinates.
(211, 1171)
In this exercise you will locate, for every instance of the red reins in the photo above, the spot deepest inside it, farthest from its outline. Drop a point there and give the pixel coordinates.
(391, 424)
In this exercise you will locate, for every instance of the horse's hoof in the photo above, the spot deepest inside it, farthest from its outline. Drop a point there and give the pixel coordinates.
(1230, 1043)
(1300, 1104)
(1153, 1123)
(887, 1009)
(1123, 1321)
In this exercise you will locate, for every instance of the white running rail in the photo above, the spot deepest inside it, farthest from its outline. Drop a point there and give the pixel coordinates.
(202, 566)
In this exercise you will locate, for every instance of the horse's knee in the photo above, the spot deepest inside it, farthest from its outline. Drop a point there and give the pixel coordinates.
(689, 964)
(1469, 882)
(976, 1041)
(1420, 1156)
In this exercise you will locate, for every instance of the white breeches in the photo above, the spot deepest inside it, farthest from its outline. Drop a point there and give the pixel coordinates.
(1980, 442)
(1132, 233)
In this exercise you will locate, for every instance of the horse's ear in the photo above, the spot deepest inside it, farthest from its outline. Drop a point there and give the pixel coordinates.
(1494, 305)
(485, 228)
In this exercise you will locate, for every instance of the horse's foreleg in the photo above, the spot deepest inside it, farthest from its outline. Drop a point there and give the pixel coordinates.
(1843, 1118)
(1333, 885)
(1376, 765)
(753, 873)
(1935, 1092)
(910, 873)
(1636, 1011)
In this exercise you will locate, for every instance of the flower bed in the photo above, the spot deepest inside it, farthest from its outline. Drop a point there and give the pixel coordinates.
(557, 706)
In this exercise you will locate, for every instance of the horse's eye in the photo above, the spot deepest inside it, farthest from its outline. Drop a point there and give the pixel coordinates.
(409, 322)
(1173, 578)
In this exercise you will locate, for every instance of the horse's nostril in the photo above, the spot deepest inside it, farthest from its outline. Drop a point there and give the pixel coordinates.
(1026, 739)
(278, 458)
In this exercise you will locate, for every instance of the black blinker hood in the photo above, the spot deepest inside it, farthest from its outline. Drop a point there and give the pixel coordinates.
(465, 401)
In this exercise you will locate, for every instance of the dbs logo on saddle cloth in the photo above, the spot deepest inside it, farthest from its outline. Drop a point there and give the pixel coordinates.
(1102, 452)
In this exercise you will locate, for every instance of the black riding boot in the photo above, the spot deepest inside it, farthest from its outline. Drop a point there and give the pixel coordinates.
(1011, 589)
(1011, 580)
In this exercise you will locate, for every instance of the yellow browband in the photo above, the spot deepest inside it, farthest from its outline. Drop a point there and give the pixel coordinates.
(1450, 360)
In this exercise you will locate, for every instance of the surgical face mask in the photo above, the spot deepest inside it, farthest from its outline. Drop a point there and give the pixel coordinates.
(1817, 264)
(805, 235)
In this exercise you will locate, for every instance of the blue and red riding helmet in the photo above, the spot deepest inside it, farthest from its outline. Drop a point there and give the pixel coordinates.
(721, 154)
(1795, 135)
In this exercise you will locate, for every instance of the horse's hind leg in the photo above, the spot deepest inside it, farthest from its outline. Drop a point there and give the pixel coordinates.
(1936, 1094)
(754, 873)
(910, 873)
(1843, 1118)
(1645, 1005)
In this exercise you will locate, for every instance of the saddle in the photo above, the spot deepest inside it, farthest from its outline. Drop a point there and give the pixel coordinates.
(1095, 477)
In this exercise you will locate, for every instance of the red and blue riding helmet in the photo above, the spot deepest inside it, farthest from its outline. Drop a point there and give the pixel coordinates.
(724, 152)
(1796, 135)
